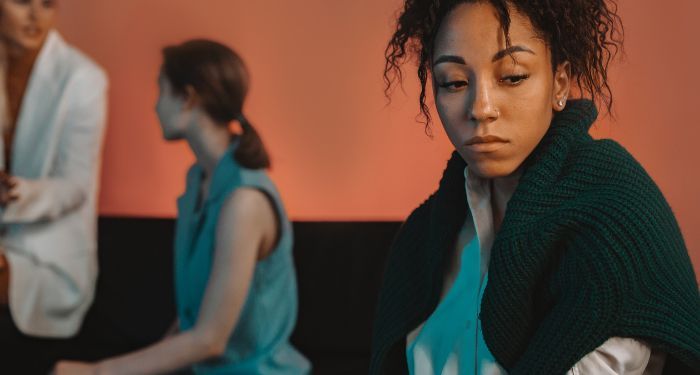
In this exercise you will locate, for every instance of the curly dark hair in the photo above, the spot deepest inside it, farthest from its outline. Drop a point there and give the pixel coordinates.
(586, 33)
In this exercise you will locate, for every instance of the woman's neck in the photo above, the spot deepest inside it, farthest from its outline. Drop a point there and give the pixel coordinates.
(20, 59)
(209, 141)
(502, 189)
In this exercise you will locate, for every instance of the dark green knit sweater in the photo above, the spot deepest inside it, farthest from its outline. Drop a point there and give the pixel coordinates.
(588, 250)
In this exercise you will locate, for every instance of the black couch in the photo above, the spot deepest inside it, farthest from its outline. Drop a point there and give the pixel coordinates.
(339, 268)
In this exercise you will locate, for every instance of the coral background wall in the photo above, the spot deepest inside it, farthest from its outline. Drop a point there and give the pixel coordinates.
(339, 151)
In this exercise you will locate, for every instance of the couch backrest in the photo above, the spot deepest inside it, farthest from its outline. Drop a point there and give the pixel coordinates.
(339, 268)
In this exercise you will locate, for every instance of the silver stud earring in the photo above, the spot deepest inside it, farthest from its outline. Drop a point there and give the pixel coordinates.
(561, 102)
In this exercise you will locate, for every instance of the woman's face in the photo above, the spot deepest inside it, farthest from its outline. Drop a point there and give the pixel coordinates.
(171, 110)
(26, 23)
(494, 108)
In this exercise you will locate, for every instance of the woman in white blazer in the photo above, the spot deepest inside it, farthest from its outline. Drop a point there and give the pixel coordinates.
(53, 113)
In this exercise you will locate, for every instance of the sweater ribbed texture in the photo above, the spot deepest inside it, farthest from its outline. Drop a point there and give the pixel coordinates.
(589, 249)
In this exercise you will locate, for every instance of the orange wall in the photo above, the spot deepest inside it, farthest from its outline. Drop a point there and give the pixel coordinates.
(339, 152)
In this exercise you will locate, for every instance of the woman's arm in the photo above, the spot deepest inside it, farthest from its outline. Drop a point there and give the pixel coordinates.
(246, 222)
(173, 329)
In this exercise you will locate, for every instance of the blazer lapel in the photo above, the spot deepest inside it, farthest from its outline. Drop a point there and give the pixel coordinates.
(41, 114)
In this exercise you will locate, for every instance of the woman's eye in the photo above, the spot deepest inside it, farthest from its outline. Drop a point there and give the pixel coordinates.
(453, 85)
(515, 79)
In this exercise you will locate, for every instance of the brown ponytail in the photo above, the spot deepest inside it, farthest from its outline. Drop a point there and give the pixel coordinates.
(220, 78)
(251, 152)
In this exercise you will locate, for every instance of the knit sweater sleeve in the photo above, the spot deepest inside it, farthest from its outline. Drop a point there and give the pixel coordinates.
(385, 359)
(591, 299)
(625, 272)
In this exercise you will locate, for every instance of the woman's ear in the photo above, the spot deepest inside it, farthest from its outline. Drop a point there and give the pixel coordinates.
(562, 86)
(191, 97)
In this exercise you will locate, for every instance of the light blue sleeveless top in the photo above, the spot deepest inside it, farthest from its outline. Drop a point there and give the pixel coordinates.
(259, 343)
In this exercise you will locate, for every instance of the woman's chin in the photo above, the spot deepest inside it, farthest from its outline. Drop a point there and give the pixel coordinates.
(30, 43)
(491, 168)
(171, 136)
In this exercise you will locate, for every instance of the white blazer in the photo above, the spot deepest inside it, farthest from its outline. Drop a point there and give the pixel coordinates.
(49, 235)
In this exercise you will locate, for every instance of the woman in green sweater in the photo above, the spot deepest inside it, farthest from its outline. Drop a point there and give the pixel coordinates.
(543, 251)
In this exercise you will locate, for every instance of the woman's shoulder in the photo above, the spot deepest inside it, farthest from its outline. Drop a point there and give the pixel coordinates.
(450, 192)
(72, 64)
(83, 68)
(413, 231)
(254, 177)
(608, 195)
(604, 164)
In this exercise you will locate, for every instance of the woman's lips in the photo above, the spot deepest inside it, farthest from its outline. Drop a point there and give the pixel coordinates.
(486, 143)
(32, 31)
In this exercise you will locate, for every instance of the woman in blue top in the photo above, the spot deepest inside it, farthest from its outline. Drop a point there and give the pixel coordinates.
(235, 285)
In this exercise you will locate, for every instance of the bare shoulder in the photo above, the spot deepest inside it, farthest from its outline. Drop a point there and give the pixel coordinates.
(249, 205)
